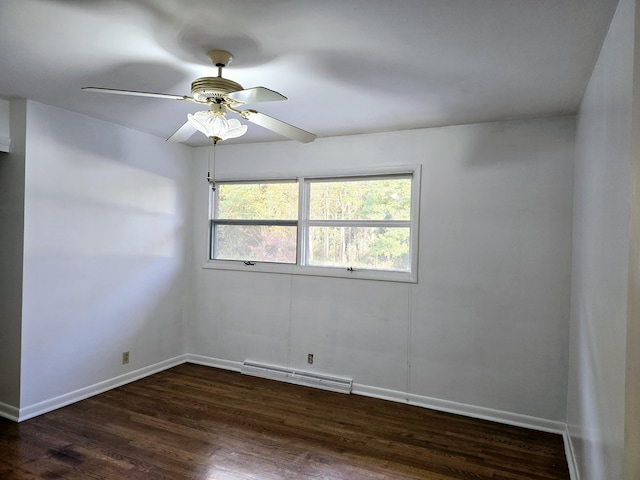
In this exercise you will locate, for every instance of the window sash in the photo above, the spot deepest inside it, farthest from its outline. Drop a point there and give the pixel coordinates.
(364, 250)
(307, 223)
(215, 252)
(215, 211)
(308, 182)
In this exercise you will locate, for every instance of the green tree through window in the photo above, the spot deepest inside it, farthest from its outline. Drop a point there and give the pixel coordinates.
(362, 222)
(256, 222)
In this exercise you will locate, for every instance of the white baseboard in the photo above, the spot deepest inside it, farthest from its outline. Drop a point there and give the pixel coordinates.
(86, 392)
(570, 453)
(473, 411)
(25, 413)
(214, 362)
(10, 412)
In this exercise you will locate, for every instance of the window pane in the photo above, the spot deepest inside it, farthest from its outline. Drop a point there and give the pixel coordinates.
(360, 247)
(258, 201)
(256, 243)
(382, 199)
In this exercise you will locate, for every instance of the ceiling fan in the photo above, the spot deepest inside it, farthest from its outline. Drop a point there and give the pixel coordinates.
(222, 95)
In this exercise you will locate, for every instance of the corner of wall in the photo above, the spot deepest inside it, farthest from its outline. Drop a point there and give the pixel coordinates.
(12, 188)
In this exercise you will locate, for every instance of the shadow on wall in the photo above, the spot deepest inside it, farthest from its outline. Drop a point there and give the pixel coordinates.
(104, 259)
(591, 443)
(96, 207)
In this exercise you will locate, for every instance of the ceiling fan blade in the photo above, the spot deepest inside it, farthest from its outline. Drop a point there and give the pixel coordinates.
(183, 134)
(277, 126)
(256, 95)
(136, 94)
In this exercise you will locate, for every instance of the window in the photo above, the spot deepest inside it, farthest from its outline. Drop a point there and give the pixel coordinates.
(359, 223)
(358, 226)
(256, 222)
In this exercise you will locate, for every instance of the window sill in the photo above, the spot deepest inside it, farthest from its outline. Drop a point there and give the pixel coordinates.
(263, 267)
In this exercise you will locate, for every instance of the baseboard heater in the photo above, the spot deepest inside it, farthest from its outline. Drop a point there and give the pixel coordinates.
(335, 384)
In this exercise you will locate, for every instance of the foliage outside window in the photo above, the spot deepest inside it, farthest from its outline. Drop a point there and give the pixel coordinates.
(354, 224)
(360, 223)
(256, 222)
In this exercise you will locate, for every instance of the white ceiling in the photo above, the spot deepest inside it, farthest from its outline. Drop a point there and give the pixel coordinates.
(346, 66)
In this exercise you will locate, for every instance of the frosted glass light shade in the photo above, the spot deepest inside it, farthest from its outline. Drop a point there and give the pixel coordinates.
(214, 125)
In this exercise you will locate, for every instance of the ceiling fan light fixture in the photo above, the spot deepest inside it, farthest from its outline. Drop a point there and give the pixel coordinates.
(215, 125)
(221, 94)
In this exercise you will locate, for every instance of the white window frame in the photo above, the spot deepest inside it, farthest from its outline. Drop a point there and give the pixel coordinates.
(303, 223)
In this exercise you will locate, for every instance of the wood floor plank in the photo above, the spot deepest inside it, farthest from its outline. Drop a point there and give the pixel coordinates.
(196, 422)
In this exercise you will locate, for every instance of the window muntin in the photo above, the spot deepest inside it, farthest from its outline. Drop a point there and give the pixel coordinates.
(375, 217)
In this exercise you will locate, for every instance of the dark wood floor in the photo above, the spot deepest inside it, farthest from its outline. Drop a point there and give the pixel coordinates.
(194, 422)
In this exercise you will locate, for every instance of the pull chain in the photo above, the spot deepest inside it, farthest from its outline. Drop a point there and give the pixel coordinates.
(212, 179)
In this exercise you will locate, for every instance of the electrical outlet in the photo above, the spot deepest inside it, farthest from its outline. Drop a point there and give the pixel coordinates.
(310, 358)
(125, 358)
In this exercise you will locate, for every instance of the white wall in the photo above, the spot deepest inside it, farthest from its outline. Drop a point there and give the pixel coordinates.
(104, 252)
(5, 125)
(598, 355)
(632, 383)
(487, 323)
(12, 171)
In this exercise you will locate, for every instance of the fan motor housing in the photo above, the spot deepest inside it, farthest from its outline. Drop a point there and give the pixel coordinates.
(207, 89)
